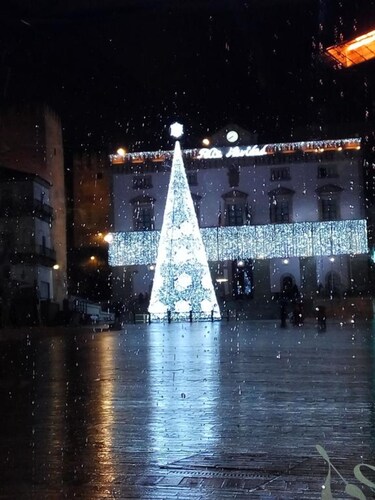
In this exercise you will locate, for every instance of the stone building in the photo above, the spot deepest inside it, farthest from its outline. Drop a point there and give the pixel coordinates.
(89, 224)
(33, 194)
(273, 216)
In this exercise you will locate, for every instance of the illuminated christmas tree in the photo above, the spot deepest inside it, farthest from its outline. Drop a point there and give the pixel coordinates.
(182, 285)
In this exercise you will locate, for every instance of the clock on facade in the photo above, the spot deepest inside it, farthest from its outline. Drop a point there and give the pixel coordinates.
(232, 136)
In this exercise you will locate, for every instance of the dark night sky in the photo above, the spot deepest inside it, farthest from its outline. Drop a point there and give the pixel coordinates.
(119, 72)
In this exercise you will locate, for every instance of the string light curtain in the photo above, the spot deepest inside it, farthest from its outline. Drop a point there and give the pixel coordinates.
(301, 239)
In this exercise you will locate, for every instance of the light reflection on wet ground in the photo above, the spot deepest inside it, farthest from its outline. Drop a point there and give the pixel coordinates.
(142, 413)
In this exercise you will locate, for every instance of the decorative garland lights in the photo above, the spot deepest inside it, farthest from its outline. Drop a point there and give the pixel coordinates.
(241, 151)
(301, 239)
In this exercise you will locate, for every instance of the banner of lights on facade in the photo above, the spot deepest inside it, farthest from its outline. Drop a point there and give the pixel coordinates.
(301, 239)
(240, 151)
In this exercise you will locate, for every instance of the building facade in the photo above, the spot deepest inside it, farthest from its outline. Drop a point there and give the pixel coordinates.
(90, 223)
(32, 157)
(273, 217)
(26, 245)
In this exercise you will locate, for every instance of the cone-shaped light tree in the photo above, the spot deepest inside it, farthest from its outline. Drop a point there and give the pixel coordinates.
(182, 283)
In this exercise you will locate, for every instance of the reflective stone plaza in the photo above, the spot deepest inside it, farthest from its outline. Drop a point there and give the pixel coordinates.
(204, 410)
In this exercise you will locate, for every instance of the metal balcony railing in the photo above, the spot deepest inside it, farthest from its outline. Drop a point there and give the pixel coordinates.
(42, 209)
(12, 207)
(46, 252)
(33, 254)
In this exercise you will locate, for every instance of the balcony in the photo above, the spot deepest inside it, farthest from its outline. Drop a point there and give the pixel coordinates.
(38, 255)
(42, 210)
(23, 208)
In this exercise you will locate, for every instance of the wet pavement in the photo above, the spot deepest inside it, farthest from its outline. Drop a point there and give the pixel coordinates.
(194, 411)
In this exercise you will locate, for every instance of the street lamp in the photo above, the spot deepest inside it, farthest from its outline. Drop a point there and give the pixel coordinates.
(108, 238)
(121, 152)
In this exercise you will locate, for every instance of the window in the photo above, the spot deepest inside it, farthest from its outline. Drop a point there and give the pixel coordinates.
(44, 290)
(235, 214)
(197, 201)
(234, 176)
(327, 171)
(235, 208)
(280, 211)
(192, 178)
(281, 205)
(143, 213)
(143, 216)
(142, 182)
(329, 209)
(280, 174)
(329, 202)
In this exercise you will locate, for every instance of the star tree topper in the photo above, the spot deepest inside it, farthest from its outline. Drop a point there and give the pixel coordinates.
(176, 130)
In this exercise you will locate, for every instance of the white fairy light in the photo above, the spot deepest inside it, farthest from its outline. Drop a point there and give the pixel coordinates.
(176, 130)
(181, 263)
(183, 282)
(301, 239)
